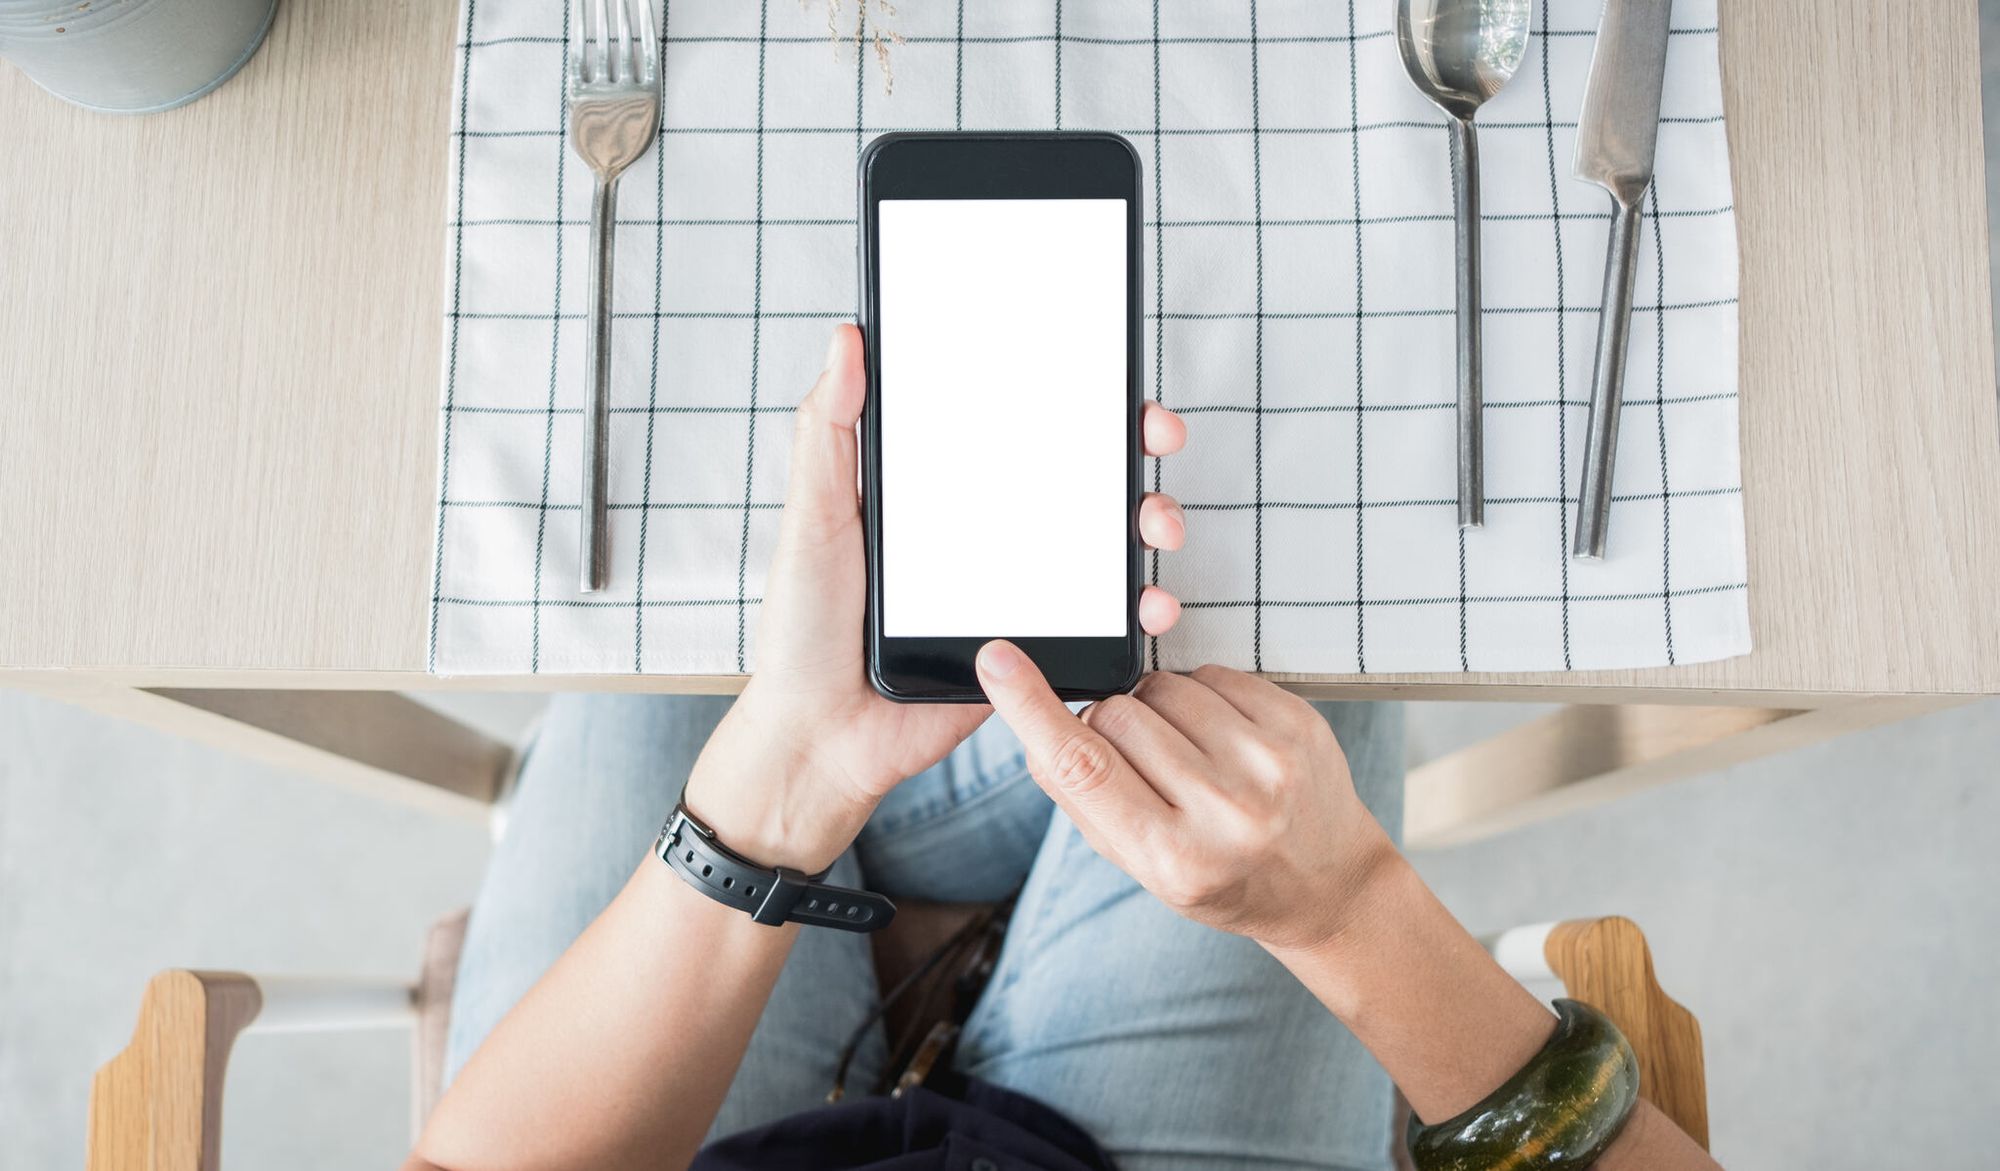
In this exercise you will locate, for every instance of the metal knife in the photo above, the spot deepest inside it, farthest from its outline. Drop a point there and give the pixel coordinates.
(1614, 149)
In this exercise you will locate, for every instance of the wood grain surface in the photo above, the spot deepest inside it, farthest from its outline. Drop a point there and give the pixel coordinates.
(157, 1106)
(220, 327)
(1606, 964)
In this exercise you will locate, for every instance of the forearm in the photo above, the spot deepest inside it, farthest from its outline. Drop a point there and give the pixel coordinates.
(620, 1055)
(1446, 1021)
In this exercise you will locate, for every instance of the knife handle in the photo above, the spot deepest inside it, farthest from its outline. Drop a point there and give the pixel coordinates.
(1471, 405)
(1607, 384)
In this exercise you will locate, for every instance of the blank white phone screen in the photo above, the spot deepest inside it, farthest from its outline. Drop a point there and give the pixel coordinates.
(1003, 434)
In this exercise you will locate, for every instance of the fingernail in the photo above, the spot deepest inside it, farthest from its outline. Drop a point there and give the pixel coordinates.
(832, 350)
(999, 660)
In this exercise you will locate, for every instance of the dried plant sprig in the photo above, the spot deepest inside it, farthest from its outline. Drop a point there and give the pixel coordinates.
(875, 32)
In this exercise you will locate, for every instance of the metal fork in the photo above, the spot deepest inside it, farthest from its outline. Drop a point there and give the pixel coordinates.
(614, 115)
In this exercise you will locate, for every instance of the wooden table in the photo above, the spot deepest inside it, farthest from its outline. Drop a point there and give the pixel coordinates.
(220, 330)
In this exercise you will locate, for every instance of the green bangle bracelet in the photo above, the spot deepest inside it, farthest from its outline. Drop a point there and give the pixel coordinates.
(1559, 1113)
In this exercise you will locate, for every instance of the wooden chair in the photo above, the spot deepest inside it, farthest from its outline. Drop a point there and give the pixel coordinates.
(1606, 964)
(157, 1106)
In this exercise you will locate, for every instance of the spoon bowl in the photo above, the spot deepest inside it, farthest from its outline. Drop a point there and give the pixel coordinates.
(1461, 52)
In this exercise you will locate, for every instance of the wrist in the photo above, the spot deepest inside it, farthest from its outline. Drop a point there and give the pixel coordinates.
(767, 799)
(1446, 1021)
(1376, 889)
(1342, 900)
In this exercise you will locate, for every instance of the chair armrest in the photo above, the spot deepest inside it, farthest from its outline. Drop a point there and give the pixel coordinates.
(431, 1000)
(1606, 964)
(157, 1106)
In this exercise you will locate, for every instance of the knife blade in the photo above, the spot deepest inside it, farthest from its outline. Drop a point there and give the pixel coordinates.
(1621, 101)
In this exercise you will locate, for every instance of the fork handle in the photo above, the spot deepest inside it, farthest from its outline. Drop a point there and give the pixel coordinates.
(595, 542)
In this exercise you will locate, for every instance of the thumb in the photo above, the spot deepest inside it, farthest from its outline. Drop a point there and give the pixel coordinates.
(817, 585)
(1110, 802)
(824, 463)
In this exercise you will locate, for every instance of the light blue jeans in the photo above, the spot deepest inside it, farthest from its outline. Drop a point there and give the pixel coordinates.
(1175, 1045)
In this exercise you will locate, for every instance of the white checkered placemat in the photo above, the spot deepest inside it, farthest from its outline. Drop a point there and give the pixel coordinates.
(1298, 257)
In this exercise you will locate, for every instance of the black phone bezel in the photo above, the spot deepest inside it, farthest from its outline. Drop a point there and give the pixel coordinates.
(959, 165)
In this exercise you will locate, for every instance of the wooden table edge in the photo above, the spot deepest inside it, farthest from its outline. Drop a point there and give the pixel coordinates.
(1591, 688)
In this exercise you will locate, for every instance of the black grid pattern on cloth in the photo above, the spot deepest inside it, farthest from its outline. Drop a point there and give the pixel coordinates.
(1297, 313)
(756, 351)
(1158, 225)
(652, 381)
(556, 318)
(1562, 343)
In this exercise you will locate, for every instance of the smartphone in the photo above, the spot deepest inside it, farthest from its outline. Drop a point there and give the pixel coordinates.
(1000, 300)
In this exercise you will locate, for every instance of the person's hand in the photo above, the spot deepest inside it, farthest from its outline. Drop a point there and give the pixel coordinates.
(803, 757)
(1221, 793)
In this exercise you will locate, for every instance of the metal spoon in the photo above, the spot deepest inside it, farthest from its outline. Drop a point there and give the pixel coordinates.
(1459, 53)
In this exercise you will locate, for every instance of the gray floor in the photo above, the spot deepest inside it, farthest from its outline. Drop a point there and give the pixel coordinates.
(1831, 918)
(123, 851)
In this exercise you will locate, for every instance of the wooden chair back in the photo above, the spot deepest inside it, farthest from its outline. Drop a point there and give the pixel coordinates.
(1606, 964)
(157, 1105)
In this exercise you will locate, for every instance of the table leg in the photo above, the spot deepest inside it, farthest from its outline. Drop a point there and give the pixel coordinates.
(1586, 754)
(381, 743)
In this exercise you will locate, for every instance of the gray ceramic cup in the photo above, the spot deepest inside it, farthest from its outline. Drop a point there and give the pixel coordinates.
(132, 56)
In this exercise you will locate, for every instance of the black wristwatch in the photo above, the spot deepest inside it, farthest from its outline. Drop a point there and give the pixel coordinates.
(770, 895)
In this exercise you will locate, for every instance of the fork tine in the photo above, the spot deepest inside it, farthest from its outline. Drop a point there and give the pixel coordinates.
(627, 56)
(575, 49)
(603, 42)
(648, 45)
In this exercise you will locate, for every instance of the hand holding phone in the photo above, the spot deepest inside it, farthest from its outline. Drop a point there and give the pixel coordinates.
(806, 752)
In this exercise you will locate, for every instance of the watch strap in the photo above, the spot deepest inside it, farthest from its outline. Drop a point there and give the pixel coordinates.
(769, 895)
